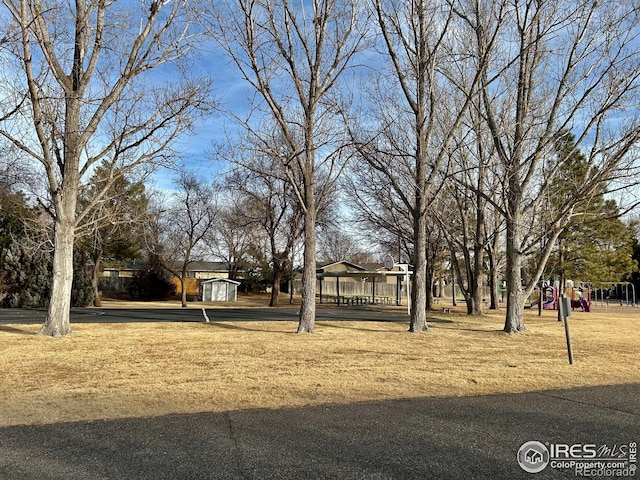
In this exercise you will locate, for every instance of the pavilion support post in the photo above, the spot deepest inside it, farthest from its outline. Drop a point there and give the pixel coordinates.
(373, 290)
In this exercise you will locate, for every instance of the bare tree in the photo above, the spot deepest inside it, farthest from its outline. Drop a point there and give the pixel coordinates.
(381, 217)
(495, 254)
(417, 110)
(337, 245)
(293, 56)
(559, 66)
(233, 237)
(186, 225)
(463, 231)
(470, 231)
(267, 203)
(13, 172)
(378, 211)
(84, 94)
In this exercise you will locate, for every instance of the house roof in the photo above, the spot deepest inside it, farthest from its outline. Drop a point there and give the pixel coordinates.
(321, 267)
(195, 266)
(198, 266)
(353, 270)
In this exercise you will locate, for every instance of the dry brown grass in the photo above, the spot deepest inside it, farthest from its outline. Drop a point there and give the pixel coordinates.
(137, 370)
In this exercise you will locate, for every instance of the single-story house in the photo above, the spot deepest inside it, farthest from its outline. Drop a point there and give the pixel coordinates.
(116, 277)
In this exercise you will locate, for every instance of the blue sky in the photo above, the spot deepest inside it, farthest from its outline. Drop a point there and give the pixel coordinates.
(230, 93)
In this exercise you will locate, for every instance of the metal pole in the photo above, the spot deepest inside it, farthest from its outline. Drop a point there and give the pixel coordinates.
(408, 293)
(540, 300)
(565, 312)
(626, 294)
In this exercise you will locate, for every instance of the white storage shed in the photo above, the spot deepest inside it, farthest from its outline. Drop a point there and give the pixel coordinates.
(220, 290)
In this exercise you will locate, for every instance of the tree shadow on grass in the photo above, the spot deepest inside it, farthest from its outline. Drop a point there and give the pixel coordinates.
(340, 324)
(237, 326)
(480, 330)
(19, 331)
(472, 329)
(352, 327)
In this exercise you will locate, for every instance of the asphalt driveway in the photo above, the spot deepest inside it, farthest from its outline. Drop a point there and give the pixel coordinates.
(440, 438)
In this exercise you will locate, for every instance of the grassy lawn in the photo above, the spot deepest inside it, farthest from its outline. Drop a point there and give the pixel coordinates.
(136, 370)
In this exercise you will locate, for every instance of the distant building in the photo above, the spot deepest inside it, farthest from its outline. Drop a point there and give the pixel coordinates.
(116, 278)
(346, 282)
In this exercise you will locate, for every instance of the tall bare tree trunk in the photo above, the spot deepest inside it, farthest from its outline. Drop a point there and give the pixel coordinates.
(95, 277)
(479, 242)
(293, 58)
(183, 278)
(418, 319)
(429, 284)
(65, 200)
(514, 321)
(493, 280)
(56, 323)
(280, 266)
(183, 285)
(308, 306)
(275, 287)
(475, 289)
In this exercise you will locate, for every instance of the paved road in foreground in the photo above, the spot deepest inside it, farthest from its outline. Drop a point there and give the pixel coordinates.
(439, 438)
(118, 315)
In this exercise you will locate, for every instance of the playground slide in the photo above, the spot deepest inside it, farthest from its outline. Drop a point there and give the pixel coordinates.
(549, 298)
(584, 305)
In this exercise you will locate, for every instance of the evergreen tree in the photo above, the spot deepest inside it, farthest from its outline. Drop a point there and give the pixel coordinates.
(113, 232)
(595, 245)
(152, 282)
(25, 266)
(25, 259)
(27, 274)
(82, 290)
(634, 277)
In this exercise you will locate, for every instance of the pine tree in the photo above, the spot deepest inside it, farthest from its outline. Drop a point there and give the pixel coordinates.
(595, 245)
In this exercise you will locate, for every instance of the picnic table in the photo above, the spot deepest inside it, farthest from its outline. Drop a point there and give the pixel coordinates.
(355, 300)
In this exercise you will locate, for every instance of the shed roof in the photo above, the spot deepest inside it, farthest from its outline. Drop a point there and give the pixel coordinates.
(219, 280)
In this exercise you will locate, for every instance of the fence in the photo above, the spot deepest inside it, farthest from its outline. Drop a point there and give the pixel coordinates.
(446, 293)
(353, 289)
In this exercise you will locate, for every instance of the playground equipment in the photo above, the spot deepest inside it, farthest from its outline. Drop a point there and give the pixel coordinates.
(621, 293)
(550, 298)
(579, 297)
(585, 295)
